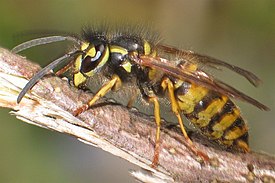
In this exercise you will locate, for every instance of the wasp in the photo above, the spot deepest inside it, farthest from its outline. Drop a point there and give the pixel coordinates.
(143, 69)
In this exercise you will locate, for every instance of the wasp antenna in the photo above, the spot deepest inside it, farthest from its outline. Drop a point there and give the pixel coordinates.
(43, 40)
(43, 72)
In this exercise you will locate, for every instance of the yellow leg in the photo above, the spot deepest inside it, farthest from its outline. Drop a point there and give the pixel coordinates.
(167, 84)
(101, 93)
(157, 140)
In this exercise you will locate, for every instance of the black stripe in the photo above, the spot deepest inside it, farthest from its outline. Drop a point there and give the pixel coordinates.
(182, 90)
(244, 138)
(203, 104)
(206, 101)
(239, 123)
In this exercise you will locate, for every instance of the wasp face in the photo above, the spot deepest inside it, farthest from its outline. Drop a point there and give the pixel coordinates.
(90, 62)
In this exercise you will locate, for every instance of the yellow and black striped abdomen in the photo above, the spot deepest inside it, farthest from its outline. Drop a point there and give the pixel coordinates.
(214, 114)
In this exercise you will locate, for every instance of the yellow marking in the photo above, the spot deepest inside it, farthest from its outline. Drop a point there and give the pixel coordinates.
(78, 60)
(127, 66)
(84, 46)
(192, 67)
(178, 83)
(216, 134)
(243, 145)
(154, 53)
(191, 98)
(227, 142)
(226, 121)
(91, 52)
(79, 79)
(187, 66)
(212, 109)
(104, 90)
(236, 132)
(147, 48)
(104, 58)
(77, 63)
(118, 49)
(152, 73)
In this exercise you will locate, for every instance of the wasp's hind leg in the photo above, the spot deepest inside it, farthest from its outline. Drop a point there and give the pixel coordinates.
(113, 84)
(167, 84)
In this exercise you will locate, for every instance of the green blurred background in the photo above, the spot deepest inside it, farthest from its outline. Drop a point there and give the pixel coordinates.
(240, 32)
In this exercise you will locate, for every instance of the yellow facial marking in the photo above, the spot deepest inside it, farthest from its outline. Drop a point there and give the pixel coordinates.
(84, 46)
(79, 79)
(91, 52)
(77, 64)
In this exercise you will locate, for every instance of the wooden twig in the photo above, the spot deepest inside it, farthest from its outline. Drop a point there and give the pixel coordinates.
(122, 132)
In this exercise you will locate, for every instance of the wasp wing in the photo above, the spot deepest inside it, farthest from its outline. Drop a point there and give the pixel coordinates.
(198, 77)
(210, 61)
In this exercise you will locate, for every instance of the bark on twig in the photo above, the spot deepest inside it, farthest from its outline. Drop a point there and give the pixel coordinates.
(124, 133)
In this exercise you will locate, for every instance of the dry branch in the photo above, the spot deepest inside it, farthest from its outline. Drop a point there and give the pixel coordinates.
(124, 133)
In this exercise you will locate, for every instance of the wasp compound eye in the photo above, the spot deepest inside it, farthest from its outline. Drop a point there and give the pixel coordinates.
(90, 62)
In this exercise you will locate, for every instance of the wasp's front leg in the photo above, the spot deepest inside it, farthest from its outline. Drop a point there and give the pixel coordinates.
(114, 84)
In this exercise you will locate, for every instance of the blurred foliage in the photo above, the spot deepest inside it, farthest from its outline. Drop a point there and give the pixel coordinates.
(240, 32)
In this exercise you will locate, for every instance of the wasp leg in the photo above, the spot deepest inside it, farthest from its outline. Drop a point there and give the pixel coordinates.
(167, 84)
(64, 69)
(115, 83)
(157, 140)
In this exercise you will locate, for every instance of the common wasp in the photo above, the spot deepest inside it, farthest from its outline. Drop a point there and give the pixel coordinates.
(143, 71)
